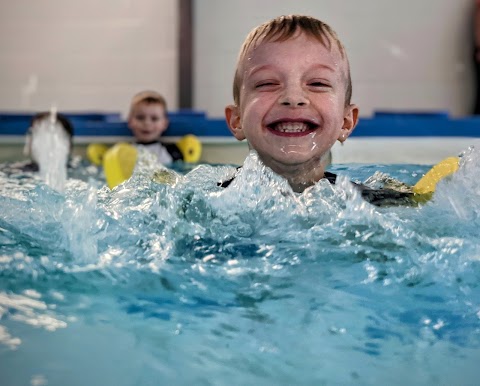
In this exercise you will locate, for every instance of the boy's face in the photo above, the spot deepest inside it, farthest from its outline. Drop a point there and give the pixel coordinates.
(292, 103)
(148, 121)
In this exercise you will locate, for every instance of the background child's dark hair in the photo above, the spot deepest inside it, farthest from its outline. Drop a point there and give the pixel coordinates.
(64, 121)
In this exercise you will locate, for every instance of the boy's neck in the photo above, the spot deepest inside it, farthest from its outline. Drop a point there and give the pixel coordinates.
(300, 177)
(299, 183)
(138, 142)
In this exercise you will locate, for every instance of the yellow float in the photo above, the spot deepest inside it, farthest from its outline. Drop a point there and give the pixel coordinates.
(191, 148)
(119, 160)
(118, 163)
(427, 184)
(95, 153)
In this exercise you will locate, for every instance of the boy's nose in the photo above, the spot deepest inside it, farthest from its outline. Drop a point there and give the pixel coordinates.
(293, 98)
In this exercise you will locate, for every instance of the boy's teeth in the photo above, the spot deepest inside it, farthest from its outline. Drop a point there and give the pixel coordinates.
(291, 127)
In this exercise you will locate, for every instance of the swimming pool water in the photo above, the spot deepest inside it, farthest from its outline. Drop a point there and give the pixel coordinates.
(183, 282)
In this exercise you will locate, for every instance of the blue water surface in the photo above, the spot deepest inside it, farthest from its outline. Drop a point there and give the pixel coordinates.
(171, 279)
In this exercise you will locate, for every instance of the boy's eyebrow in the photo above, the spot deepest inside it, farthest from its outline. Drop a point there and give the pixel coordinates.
(256, 69)
(325, 66)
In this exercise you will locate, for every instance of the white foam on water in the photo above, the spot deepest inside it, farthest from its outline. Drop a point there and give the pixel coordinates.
(50, 149)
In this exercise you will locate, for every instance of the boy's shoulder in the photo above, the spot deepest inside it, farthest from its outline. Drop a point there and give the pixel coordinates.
(27, 166)
(174, 151)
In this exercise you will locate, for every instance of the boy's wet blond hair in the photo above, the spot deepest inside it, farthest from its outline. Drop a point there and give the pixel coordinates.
(283, 28)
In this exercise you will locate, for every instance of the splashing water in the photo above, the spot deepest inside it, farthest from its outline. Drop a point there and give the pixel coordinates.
(50, 149)
(169, 278)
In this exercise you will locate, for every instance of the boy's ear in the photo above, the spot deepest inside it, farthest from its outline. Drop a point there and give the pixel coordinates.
(350, 120)
(233, 121)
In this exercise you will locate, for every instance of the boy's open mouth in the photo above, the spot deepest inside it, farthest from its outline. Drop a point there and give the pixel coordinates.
(291, 129)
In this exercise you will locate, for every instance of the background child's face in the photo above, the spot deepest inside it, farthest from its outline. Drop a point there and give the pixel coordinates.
(148, 121)
(292, 102)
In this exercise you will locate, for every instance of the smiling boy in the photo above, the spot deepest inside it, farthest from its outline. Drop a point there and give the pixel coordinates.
(292, 93)
(148, 120)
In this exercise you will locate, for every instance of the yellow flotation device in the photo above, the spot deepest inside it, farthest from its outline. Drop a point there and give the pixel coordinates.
(427, 184)
(118, 163)
(119, 160)
(95, 153)
(191, 148)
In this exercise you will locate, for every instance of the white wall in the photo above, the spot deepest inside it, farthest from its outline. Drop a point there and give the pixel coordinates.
(86, 55)
(94, 54)
(410, 54)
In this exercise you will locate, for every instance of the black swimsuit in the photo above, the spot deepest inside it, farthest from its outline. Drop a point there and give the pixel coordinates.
(377, 197)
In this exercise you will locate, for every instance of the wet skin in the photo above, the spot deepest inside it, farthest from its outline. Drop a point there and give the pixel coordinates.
(292, 106)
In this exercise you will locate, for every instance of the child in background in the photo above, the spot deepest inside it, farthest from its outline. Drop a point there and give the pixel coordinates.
(291, 92)
(38, 122)
(148, 120)
(48, 145)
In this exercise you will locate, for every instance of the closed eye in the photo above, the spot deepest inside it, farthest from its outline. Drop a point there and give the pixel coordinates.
(265, 84)
(319, 84)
